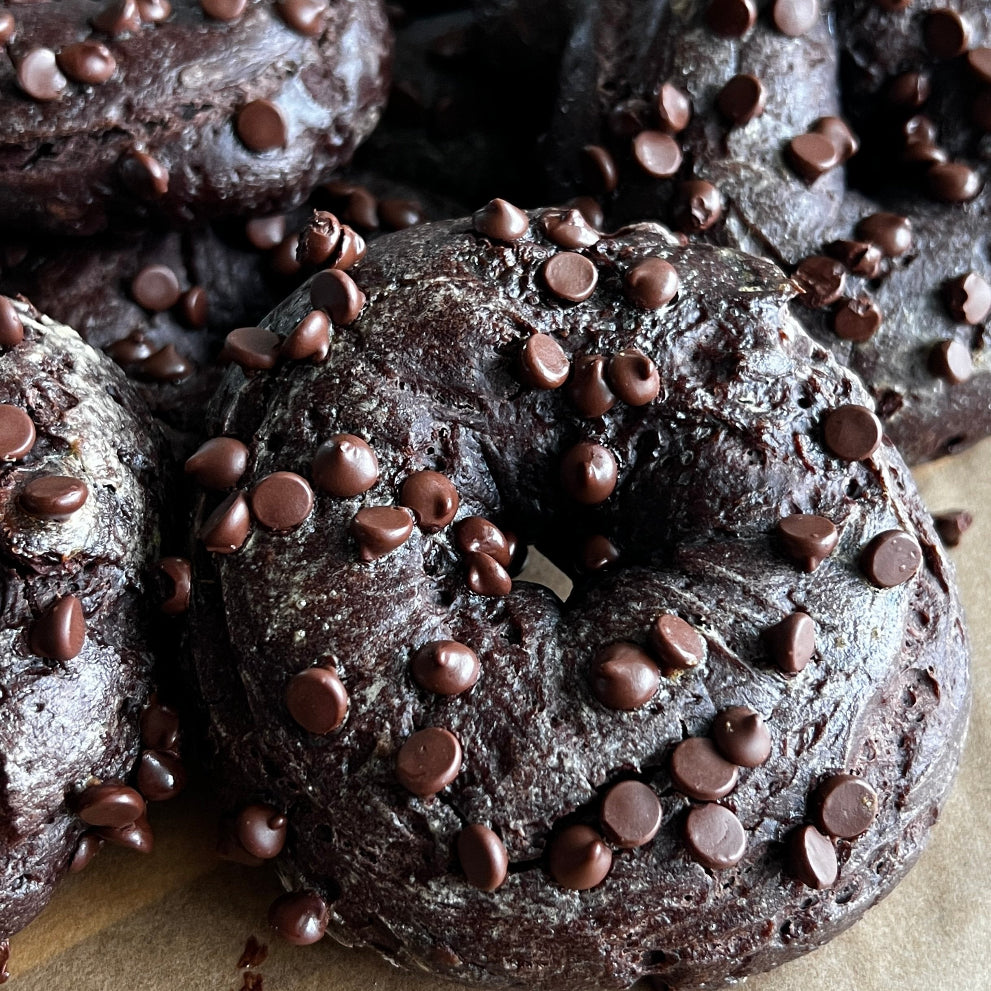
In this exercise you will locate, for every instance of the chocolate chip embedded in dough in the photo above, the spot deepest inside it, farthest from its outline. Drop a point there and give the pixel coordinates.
(160, 776)
(578, 859)
(135, 836)
(445, 667)
(839, 134)
(624, 677)
(428, 761)
(791, 642)
(432, 497)
(281, 501)
(8, 26)
(261, 830)
(588, 388)
(808, 539)
(857, 319)
(596, 553)
(87, 848)
(630, 814)
(821, 281)
(741, 736)
(543, 363)
(858, 257)
(378, 530)
(88, 62)
(223, 10)
(309, 339)
(255, 349)
(317, 699)
(968, 298)
(299, 917)
(569, 229)
(651, 283)
(891, 558)
(226, 528)
(59, 633)
(475, 534)
(953, 182)
(345, 466)
(501, 221)
(951, 361)
(852, 432)
(570, 276)
(795, 17)
(742, 99)
(261, 126)
(165, 365)
(159, 726)
(53, 497)
(731, 18)
(218, 463)
(486, 576)
(156, 288)
(700, 771)
(845, 806)
(891, 232)
(634, 377)
(146, 177)
(674, 108)
(194, 305)
(119, 17)
(11, 328)
(38, 75)
(483, 857)
(812, 858)
(697, 206)
(305, 17)
(715, 837)
(589, 473)
(676, 643)
(109, 804)
(811, 155)
(657, 153)
(946, 33)
(334, 291)
(177, 576)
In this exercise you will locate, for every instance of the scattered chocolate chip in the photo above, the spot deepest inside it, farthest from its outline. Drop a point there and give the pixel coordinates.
(432, 497)
(345, 466)
(501, 221)
(319, 239)
(109, 804)
(17, 433)
(261, 126)
(674, 108)
(317, 699)
(118, 17)
(161, 775)
(578, 859)
(569, 229)
(852, 432)
(59, 633)
(811, 156)
(791, 642)
(281, 501)
(570, 276)
(676, 643)
(698, 206)
(821, 281)
(588, 389)
(223, 10)
(742, 99)
(951, 361)
(159, 727)
(715, 837)
(483, 857)
(808, 539)
(857, 319)
(589, 473)
(305, 17)
(156, 288)
(398, 215)
(143, 175)
(889, 231)
(299, 917)
(741, 736)
(261, 830)
(178, 576)
(700, 771)
(11, 328)
(335, 292)
(8, 28)
(812, 858)
(795, 17)
(589, 209)
(952, 525)
(428, 761)
(543, 363)
(253, 348)
(135, 836)
(731, 18)
(891, 558)
(445, 667)
(859, 257)
(195, 306)
(953, 182)
(845, 806)
(630, 814)
(309, 339)
(909, 90)
(350, 249)
(946, 33)
(265, 233)
(599, 169)
(88, 62)
(968, 298)
(837, 132)
(657, 153)
(86, 849)
(651, 283)
(597, 552)
(219, 463)
(165, 365)
(53, 497)
(154, 11)
(634, 377)
(38, 75)
(979, 63)
(486, 576)
(624, 677)
(380, 529)
(361, 210)
(475, 534)
(227, 527)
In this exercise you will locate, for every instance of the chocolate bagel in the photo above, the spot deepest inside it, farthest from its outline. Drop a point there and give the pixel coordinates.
(729, 742)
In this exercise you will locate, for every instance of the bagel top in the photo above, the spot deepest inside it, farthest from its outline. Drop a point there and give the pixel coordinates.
(316, 615)
(188, 111)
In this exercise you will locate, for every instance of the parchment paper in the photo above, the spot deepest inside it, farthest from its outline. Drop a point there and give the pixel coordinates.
(180, 919)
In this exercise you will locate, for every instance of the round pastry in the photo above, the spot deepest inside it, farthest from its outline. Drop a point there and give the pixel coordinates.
(729, 742)
(83, 743)
(122, 111)
(803, 130)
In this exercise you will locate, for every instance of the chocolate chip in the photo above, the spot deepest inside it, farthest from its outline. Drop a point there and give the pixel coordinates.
(811, 156)
(345, 466)
(795, 17)
(159, 727)
(432, 497)
(731, 18)
(118, 17)
(699, 771)
(227, 527)
(483, 857)
(317, 699)
(53, 497)
(953, 182)
(264, 233)
(486, 576)
(837, 132)
(135, 836)
(889, 231)
(261, 830)
(812, 858)
(501, 221)
(351, 249)
(891, 558)
(165, 365)
(87, 62)
(742, 99)
(951, 361)
(651, 283)
(380, 529)
(589, 209)
(219, 463)
(361, 210)
(968, 298)
(570, 276)
(674, 108)
(597, 552)
(253, 348)
(143, 175)
(154, 11)
(634, 377)
(588, 389)
(179, 577)
(909, 90)
(859, 257)
(160, 776)
(59, 633)
(156, 288)
(821, 281)
(741, 736)
(676, 643)
(336, 292)
(951, 526)
(715, 837)
(589, 473)
(543, 363)
(223, 10)
(852, 432)
(319, 239)
(808, 539)
(445, 667)
(261, 126)
(132, 350)
(428, 761)
(309, 339)
(299, 917)
(305, 17)
(657, 153)
(920, 129)
(568, 229)
(845, 806)
(624, 677)
(38, 75)
(17, 433)
(281, 501)
(791, 642)
(109, 805)
(477, 535)
(857, 319)
(946, 33)
(8, 26)
(630, 814)
(398, 215)
(195, 306)
(578, 859)
(11, 328)
(979, 63)
(86, 849)
(698, 206)
(599, 169)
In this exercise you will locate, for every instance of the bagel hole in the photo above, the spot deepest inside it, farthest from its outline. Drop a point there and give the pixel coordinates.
(540, 570)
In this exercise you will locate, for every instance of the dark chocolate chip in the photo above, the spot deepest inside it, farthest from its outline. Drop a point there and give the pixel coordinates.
(223, 10)
(309, 339)
(178, 576)
(889, 231)
(578, 859)
(821, 281)
(569, 229)
(599, 169)
(951, 361)
(589, 209)
(305, 17)
(195, 306)
(317, 699)
(968, 298)
(543, 363)
(651, 283)
(398, 215)
(428, 761)
(334, 291)
(811, 156)
(161, 775)
(952, 525)
(483, 857)
(88, 62)
(731, 18)
(159, 727)
(261, 126)
(361, 210)
(59, 633)
(253, 348)
(630, 814)
(891, 558)
(475, 534)
(570, 276)
(53, 497)
(953, 182)
(380, 529)
(86, 849)
(119, 17)
(486, 576)
(852, 432)
(677, 644)
(946, 33)
(135, 836)
(700, 771)
(265, 233)
(909, 90)
(17, 433)
(38, 75)
(715, 837)
(808, 539)
(156, 288)
(143, 175)
(8, 28)
(795, 17)
(281, 501)
(345, 466)
(227, 527)
(351, 249)
(588, 389)
(859, 257)
(674, 108)
(432, 497)
(742, 99)
(979, 63)
(698, 206)
(857, 319)
(219, 463)
(109, 804)
(812, 858)
(11, 328)
(657, 153)
(837, 132)
(501, 221)
(791, 642)
(589, 473)
(624, 677)
(634, 377)
(597, 552)
(445, 667)
(299, 917)
(165, 365)
(319, 239)
(154, 11)
(845, 806)
(741, 736)
(261, 830)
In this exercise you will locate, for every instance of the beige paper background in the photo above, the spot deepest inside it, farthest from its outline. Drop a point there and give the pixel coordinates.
(179, 919)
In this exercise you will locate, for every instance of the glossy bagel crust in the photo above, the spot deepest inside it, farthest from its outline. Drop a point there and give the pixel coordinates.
(428, 374)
